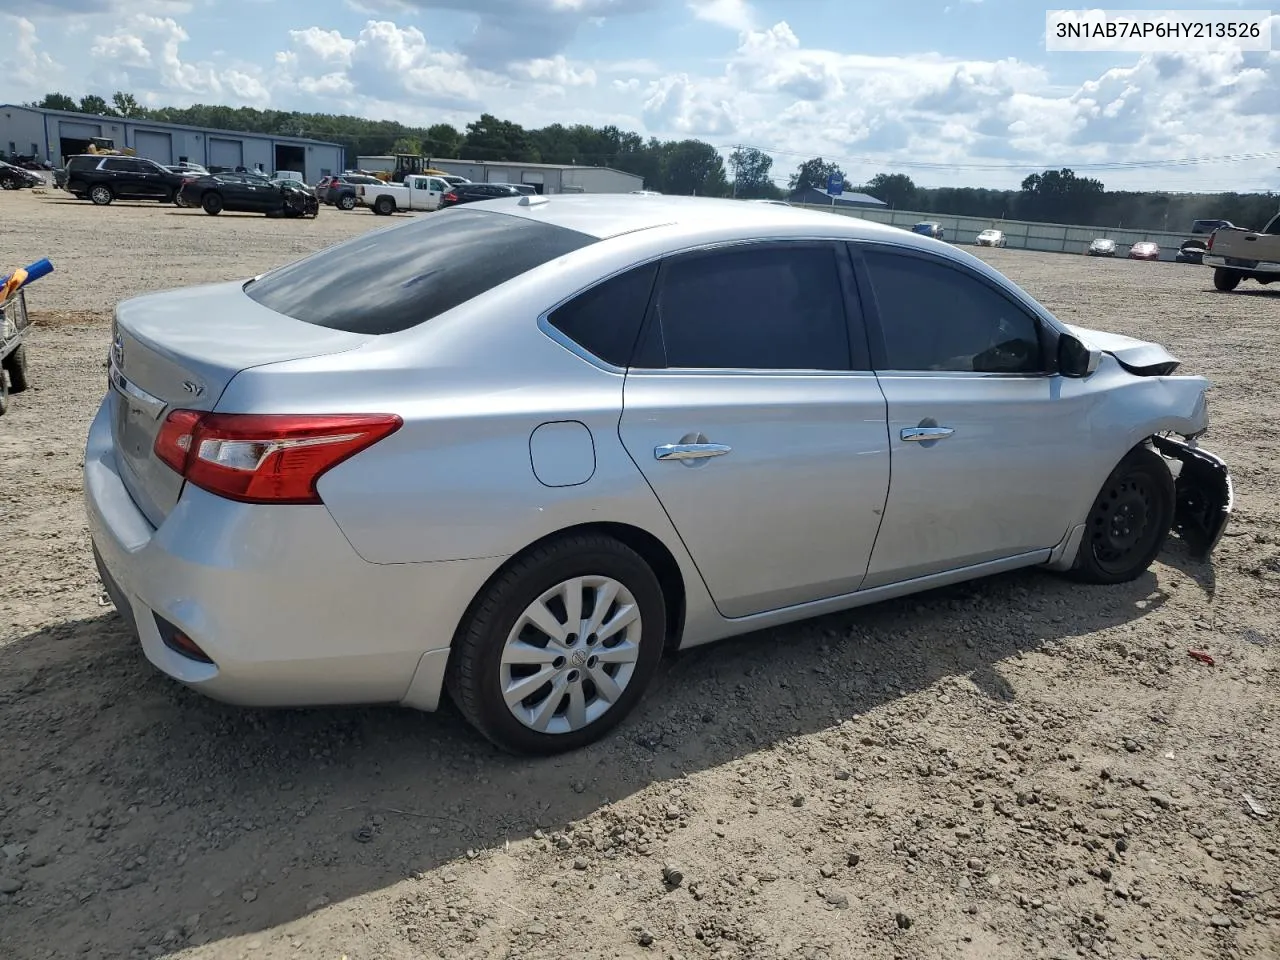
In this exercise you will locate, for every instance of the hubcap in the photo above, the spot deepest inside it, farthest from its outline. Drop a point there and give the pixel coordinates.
(571, 654)
(1122, 526)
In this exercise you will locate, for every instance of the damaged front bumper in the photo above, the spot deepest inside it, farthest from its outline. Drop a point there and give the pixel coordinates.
(1205, 497)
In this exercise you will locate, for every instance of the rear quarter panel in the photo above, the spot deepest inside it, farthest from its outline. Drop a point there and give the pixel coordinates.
(457, 481)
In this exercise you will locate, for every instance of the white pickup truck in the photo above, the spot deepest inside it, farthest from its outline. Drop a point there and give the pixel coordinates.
(1236, 254)
(418, 192)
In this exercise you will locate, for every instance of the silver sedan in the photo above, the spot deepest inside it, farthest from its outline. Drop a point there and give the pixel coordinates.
(515, 450)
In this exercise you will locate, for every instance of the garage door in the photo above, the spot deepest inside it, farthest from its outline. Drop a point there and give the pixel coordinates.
(78, 131)
(226, 153)
(153, 146)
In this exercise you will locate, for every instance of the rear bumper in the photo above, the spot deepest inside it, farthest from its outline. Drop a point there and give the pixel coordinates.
(276, 596)
(1244, 266)
(1205, 495)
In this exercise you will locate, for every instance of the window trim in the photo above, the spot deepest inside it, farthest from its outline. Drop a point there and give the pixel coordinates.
(1046, 330)
(650, 327)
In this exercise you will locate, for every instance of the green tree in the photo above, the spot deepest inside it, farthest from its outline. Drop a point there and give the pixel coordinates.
(56, 101)
(492, 139)
(442, 140)
(896, 189)
(126, 105)
(815, 173)
(409, 146)
(96, 105)
(694, 167)
(1059, 196)
(751, 179)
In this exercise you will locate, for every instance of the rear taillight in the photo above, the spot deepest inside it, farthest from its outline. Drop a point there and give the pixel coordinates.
(360, 191)
(265, 458)
(451, 197)
(1209, 247)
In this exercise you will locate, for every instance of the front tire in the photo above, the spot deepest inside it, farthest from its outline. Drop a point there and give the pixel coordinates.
(560, 646)
(101, 195)
(1226, 280)
(1129, 521)
(346, 202)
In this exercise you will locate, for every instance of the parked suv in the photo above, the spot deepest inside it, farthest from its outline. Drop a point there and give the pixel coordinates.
(340, 190)
(102, 179)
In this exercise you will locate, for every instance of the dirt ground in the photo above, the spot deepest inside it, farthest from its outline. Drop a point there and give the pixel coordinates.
(1020, 767)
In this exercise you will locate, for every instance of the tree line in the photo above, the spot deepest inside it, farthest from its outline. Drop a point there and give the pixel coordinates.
(695, 167)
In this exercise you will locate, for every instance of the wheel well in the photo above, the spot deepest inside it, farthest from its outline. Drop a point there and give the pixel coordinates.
(652, 550)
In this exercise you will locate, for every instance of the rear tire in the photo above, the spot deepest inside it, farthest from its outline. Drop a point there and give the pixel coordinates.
(1226, 280)
(16, 366)
(1129, 521)
(4, 393)
(346, 202)
(211, 203)
(571, 694)
(384, 206)
(101, 195)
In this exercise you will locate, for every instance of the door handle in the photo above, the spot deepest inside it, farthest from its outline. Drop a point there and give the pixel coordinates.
(926, 433)
(690, 451)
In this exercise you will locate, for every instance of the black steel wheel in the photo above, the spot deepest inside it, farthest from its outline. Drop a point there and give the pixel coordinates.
(211, 203)
(1129, 521)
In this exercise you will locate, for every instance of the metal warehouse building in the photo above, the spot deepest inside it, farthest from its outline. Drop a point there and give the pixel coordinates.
(544, 177)
(54, 135)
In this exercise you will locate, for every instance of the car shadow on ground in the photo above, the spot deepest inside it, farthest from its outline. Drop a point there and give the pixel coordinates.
(116, 777)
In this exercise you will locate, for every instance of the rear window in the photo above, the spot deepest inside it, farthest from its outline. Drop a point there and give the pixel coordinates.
(83, 163)
(392, 280)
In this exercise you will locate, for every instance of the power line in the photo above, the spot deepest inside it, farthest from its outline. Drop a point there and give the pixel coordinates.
(991, 166)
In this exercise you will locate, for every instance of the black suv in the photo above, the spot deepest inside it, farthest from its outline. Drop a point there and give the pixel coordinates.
(105, 178)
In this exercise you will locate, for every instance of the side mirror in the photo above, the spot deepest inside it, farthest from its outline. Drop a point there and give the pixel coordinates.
(1075, 357)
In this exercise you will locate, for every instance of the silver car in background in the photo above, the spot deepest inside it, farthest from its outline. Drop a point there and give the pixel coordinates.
(515, 450)
(1102, 247)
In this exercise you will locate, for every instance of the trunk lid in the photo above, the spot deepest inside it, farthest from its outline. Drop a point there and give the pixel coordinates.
(180, 349)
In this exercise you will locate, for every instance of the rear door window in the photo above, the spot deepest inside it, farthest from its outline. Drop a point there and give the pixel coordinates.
(391, 280)
(767, 307)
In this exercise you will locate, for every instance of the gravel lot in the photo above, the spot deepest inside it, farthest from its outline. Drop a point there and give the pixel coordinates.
(1020, 767)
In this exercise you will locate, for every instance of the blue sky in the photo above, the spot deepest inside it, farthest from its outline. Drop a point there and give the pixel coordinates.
(954, 92)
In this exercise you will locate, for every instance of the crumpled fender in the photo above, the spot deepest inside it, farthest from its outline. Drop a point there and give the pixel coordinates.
(1137, 356)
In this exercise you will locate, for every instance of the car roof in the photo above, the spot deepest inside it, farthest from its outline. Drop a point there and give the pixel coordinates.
(606, 215)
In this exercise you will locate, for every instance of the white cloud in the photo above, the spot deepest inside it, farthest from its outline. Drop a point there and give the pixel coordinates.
(556, 71)
(24, 65)
(773, 88)
(144, 53)
(734, 14)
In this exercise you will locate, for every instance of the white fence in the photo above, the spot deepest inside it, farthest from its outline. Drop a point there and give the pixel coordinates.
(1020, 234)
